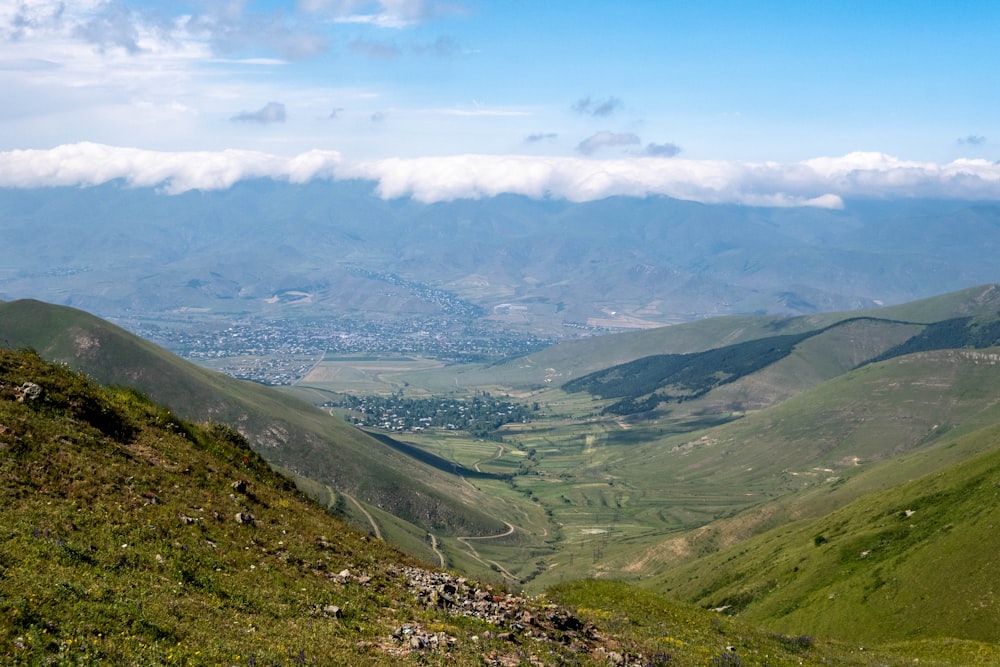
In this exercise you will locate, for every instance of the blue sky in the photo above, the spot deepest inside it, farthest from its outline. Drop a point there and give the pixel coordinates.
(713, 85)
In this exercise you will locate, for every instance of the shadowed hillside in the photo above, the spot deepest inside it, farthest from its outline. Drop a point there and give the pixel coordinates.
(647, 383)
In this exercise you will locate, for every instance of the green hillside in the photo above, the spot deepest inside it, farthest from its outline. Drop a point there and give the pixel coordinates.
(916, 560)
(643, 384)
(288, 433)
(134, 537)
(820, 440)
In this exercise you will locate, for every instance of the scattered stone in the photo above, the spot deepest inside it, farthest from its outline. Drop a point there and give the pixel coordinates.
(409, 638)
(245, 518)
(187, 520)
(332, 610)
(240, 486)
(29, 391)
(520, 621)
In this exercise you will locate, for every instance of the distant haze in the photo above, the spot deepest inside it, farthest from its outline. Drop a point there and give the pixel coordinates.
(298, 237)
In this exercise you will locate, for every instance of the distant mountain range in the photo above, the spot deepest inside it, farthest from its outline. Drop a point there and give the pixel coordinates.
(272, 249)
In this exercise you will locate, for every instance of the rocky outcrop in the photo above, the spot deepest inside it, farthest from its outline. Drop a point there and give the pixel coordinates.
(28, 392)
(519, 620)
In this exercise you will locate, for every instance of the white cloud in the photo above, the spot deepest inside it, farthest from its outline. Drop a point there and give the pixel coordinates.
(821, 182)
(380, 13)
(92, 164)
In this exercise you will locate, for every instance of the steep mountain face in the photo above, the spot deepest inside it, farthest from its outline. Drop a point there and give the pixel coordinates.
(621, 261)
(290, 434)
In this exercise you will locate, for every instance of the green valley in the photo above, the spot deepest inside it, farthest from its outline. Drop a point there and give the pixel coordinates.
(762, 443)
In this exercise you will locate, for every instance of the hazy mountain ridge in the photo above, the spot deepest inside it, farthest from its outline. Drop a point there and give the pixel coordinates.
(612, 262)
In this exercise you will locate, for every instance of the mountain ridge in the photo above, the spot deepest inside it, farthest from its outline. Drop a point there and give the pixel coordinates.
(609, 263)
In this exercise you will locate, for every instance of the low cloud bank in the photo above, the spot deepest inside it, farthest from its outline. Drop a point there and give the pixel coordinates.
(822, 182)
(87, 164)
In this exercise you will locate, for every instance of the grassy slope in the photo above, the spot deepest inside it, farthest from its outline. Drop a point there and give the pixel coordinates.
(819, 440)
(289, 433)
(776, 366)
(120, 547)
(98, 566)
(675, 635)
(916, 560)
(870, 414)
(814, 361)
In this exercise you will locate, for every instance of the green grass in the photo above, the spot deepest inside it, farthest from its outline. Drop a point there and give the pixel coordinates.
(99, 565)
(675, 634)
(120, 546)
(913, 561)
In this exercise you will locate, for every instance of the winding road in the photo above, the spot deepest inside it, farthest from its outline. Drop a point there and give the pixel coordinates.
(434, 546)
(492, 564)
(371, 519)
